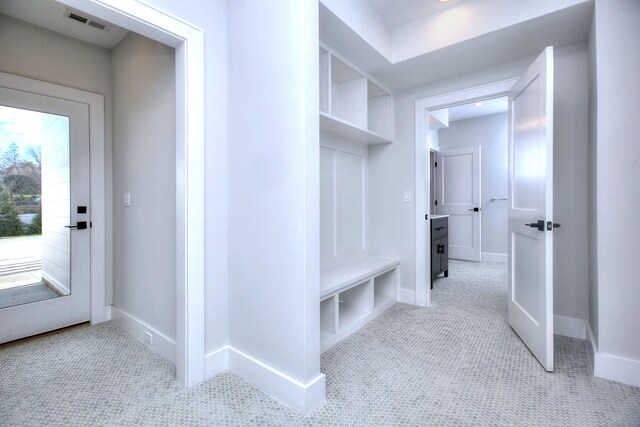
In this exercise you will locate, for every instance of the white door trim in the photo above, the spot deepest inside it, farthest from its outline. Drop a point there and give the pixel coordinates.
(188, 42)
(97, 178)
(422, 178)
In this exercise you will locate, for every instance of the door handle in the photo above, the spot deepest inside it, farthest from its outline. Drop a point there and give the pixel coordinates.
(80, 225)
(552, 225)
(475, 209)
(539, 225)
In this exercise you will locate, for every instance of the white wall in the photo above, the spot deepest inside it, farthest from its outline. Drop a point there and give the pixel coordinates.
(570, 199)
(30, 51)
(274, 314)
(393, 221)
(144, 165)
(592, 184)
(489, 132)
(211, 17)
(618, 175)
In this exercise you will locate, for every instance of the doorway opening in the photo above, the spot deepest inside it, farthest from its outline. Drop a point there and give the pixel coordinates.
(468, 168)
(188, 178)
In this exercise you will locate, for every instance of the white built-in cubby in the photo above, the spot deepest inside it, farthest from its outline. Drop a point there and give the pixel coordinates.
(355, 286)
(352, 104)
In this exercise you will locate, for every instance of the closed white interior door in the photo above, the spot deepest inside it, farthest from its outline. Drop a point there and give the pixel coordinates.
(530, 304)
(459, 197)
(45, 226)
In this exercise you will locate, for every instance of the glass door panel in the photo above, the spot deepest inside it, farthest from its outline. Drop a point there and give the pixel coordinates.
(35, 246)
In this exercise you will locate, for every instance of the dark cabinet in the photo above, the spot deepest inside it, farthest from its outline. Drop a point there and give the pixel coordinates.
(439, 247)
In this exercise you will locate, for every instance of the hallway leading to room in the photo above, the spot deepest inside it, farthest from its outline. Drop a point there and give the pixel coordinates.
(457, 362)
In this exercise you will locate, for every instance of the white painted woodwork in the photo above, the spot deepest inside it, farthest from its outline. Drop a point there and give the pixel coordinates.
(352, 294)
(343, 176)
(340, 127)
(351, 104)
(530, 303)
(355, 112)
(459, 192)
(335, 278)
(379, 110)
(348, 93)
(325, 80)
(72, 273)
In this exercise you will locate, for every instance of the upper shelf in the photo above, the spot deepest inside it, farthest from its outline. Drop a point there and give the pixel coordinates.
(340, 127)
(351, 104)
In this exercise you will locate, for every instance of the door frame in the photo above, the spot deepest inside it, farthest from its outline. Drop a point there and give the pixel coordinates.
(423, 178)
(188, 42)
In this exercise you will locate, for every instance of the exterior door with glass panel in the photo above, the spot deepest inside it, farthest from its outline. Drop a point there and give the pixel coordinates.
(44, 213)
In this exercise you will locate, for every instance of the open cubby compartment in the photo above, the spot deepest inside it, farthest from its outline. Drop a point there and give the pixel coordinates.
(378, 110)
(328, 316)
(325, 80)
(385, 288)
(348, 94)
(355, 303)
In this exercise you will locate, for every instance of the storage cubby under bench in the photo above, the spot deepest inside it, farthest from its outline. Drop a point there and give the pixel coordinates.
(353, 294)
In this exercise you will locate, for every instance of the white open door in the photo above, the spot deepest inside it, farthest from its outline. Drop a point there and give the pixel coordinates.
(458, 195)
(530, 305)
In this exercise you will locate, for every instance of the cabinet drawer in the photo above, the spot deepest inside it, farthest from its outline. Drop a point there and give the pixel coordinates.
(439, 228)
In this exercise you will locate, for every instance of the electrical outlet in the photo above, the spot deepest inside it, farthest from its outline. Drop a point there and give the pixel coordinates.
(127, 199)
(407, 196)
(148, 338)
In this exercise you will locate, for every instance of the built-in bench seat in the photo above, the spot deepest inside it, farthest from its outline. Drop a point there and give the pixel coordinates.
(353, 293)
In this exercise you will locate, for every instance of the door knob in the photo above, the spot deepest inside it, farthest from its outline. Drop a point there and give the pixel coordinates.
(80, 225)
(539, 225)
(552, 225)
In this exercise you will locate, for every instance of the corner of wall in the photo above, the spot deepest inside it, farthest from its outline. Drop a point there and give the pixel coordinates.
(302, 397)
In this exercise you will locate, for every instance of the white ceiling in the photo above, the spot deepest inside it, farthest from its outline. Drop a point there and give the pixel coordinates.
(50, 14)
(401, 12)
(514, 45)
(469, 111)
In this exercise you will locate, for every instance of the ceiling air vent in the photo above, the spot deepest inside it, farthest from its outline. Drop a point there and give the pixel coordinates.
(86, 20)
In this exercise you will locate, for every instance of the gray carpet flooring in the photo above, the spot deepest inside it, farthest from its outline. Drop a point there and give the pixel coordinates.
(456, 363)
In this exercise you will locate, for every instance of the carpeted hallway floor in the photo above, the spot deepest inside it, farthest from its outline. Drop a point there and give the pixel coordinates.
(455, 363)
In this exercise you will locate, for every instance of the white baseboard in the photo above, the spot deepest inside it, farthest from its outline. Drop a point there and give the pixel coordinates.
(491, 257)
(216, 361)
(162, 345)
(612, 367)
(303, 398)
(617, 368)
(406, 296)
(570, 327)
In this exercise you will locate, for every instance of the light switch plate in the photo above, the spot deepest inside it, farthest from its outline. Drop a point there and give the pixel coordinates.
(407, 196)
(127, 199)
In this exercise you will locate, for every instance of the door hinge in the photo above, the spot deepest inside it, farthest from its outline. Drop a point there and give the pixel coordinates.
(436, 165)
(435, 203)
